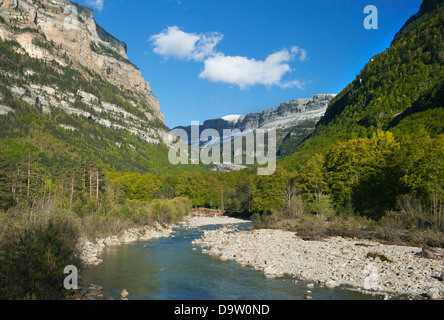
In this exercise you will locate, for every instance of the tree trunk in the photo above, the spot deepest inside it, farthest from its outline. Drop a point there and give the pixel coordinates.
(97, 187)
(29, 175)
(90, 184)
(72, 191)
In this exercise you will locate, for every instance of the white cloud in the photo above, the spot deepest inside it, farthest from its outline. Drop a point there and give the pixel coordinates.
(236, 70)
(98, 4)
(246, 72)
(205, 46)
(299, 52)
(173, 42)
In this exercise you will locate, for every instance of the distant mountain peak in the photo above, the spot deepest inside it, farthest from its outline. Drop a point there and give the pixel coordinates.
(234, 118)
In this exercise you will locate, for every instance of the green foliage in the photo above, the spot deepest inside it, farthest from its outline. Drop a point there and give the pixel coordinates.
(394, 85)
(311, 178)
(193, 186)
(170, 211)
(136, 186)
(34, 257)
(364, 172)
(425, 175)
(269, 191)
(378, 255)
(100, 48)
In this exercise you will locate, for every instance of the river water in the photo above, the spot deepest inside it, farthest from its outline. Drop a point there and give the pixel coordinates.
(175, 269)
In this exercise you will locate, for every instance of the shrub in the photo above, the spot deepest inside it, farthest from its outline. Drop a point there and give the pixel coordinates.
(33, 259)
(295, 208)
(312, 227)
(352, 226)
(170, 211)
(322, 207)
(375, 255)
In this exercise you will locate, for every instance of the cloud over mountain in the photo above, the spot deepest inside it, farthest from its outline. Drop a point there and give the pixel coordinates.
(218, 67)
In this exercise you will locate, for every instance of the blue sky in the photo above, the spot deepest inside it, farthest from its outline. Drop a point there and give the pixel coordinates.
(205, 59)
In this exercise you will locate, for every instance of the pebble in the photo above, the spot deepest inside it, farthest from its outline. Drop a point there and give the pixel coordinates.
(124, 293)
(277, 252)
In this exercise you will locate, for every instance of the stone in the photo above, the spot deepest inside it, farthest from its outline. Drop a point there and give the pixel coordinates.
(95, 287)
(433, 294)
(331, 284)
(124, 293)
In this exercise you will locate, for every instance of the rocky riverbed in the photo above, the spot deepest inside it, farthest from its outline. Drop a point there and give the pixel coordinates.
(196, 221)
(363, 265)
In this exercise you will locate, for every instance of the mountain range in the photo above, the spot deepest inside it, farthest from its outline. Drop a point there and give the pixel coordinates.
(67, 84)
(292, 120)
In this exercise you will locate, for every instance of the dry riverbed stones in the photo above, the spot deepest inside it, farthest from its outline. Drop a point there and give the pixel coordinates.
(369, 266)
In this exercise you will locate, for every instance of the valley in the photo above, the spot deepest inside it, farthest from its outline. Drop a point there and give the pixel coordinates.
(85, 158)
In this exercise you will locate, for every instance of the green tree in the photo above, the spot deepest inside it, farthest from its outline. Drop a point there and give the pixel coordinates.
(245, 192)
(193, 186)
(269, 192)
(426, 175)
(311, 178)
(364, 172)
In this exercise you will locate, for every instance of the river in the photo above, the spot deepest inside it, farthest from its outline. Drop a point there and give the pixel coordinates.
(175, 269)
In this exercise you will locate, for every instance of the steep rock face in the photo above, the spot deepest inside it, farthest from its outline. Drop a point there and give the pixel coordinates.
(66, 32)
(288, 115)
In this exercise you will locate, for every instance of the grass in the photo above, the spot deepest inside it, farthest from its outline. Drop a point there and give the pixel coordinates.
(375, 255)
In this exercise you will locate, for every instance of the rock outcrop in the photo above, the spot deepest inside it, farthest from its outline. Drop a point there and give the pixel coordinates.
(293, 121)
(288, 114)
(67, 33)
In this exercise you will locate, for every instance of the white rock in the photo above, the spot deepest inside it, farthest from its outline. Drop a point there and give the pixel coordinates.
(331, 284)
(433, 294)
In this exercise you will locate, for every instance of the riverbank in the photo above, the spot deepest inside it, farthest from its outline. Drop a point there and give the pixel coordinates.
(362, 265)
(90, 250)
(197, 220)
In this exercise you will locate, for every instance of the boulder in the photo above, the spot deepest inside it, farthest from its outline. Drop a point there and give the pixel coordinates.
(124, 293)
(331, 284)
(433, 294)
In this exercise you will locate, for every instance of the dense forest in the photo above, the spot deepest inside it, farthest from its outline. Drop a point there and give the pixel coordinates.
(374, 167)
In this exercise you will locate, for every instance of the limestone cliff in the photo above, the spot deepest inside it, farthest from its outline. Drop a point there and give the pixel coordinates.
(291, 119)
(66, 32)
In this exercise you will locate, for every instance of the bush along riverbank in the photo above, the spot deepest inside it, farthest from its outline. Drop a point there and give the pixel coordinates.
(363, 265)
(37, 243)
